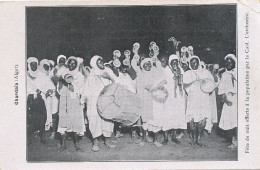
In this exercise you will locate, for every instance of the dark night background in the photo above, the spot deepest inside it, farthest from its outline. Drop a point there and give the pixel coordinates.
(87, 31)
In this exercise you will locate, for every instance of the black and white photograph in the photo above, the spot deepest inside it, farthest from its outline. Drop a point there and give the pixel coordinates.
(131, 83)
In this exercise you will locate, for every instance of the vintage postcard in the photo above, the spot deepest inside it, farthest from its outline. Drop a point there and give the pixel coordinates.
(130, 85)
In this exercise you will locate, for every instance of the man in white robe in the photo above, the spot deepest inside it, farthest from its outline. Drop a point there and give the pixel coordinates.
(99, 77)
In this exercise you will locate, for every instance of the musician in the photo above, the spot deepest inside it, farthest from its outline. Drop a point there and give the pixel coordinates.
(99, 77)
(36, 109)
(45, 79)
(61, 61)
(198, 102)
(228, 91)
(127, 78)
(150, 79)
(71, 118)
(175, 105)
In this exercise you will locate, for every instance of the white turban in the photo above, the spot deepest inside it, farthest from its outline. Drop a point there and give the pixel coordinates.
(30, 60)
(192, 57)
(146, 60)
(234, 71)
(172, 57)
(44, 61)
(61, 56)
(232, 56)
(93, 62)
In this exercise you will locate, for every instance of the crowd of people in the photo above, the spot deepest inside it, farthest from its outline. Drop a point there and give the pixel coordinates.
(170, 94)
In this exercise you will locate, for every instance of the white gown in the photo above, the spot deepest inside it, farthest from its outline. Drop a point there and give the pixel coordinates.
(97, 125)
(198, 102)
(228, 118)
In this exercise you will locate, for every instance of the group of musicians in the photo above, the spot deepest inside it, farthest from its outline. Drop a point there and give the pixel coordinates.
(168, 94)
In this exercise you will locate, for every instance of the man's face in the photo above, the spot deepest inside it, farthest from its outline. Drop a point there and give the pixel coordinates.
(62, 61)
(147, 66)
(230, 64)
(185, 66)
(33, 66)
(163, 62)
(100, 64)
(46, 67)
(194, 63)
(72, 64)
(174, 63)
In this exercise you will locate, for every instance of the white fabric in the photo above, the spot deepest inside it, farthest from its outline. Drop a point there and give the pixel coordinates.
(92, 88)
(174, 111)
(146, 60)
(45, 80)
(198, 102)
(228, 118)
(125, 80)
(59, 57)
(29, 61)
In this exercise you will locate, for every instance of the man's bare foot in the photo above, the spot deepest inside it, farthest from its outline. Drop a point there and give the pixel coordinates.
(200, 144)
(192, 143)
(176, 141)
(62, 148)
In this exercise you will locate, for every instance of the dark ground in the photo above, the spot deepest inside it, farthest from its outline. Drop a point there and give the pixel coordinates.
(127, 150)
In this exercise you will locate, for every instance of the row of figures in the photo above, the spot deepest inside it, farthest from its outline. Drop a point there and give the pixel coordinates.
(149, 93)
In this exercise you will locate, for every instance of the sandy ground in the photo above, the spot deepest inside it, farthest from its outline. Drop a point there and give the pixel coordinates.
(127, 150)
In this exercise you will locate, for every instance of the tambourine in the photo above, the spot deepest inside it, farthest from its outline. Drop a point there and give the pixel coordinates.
(151, 54)
(68, 78)
(152, 44)
(183, 49)
(117, 63)
(184, 60)
(136, 57)
(136, 45)
(117, 53)
(207, 86)
(216, 66)
(154, 59)
(126, 62)
(155, 48)
(160, 94)
(127, 54)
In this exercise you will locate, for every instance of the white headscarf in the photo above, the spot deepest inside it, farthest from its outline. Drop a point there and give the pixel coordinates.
(173, 57)
(44, 61)
(93, 64)
(41, 68)
(233, 71)
(192, 57)
(59, 57)
(146, 60)
(232, 56)
(29, 61)
(78, 60)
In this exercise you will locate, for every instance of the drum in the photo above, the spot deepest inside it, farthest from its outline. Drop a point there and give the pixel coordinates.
(118, 104)
(208, 85)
